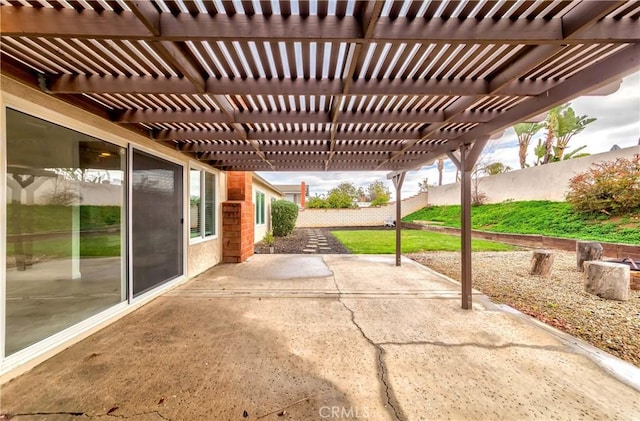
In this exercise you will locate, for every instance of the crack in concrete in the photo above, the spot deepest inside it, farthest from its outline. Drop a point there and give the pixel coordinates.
(135, 415)
(83, 414)
(28, 414)
(479, 345)
(395, 412)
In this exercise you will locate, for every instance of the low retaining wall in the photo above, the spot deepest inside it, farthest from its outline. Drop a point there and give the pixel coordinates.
(612, 250)
(359, 217)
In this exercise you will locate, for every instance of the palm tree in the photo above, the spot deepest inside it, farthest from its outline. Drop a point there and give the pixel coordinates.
(496, 168)
(568, 124)
(440, 169)
(525, 132)
(562, 123)
(551, 123)
(423, 185)
(576, 153)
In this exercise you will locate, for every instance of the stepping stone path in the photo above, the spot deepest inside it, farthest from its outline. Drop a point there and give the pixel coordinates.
(317, 241)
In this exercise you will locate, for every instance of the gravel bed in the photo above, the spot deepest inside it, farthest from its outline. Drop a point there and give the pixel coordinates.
(559, 300)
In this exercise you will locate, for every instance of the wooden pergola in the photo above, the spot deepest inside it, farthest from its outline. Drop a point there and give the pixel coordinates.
(250, 85)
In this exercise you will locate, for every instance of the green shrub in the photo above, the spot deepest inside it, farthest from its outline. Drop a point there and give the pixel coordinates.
(340, 199)
(611, 187)
(316, 203)
(268, 238)
(283, 217)
(380, 201)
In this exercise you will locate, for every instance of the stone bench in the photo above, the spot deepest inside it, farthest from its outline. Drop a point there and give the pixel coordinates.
(607, 280)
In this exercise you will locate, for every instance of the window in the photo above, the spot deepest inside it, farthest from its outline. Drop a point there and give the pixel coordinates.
(202, 203)
(260, 208)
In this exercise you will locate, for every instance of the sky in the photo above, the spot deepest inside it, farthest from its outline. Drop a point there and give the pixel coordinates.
(618, 123)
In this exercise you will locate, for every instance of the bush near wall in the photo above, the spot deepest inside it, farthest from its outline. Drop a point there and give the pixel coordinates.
(283, 217)
(611, 187)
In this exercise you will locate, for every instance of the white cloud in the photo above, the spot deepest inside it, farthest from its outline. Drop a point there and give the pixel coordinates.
(618, 123)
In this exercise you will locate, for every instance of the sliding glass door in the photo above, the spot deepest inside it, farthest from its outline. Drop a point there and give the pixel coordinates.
(157, 221)
(65, 228)
(67, 225)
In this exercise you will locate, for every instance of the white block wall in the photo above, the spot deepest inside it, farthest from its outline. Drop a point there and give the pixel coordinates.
(360, 217)
(544, 182)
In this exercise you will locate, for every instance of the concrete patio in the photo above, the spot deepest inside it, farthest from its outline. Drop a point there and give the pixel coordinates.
(324, 337)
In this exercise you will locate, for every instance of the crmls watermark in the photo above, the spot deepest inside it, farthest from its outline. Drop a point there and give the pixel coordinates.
(337, 412)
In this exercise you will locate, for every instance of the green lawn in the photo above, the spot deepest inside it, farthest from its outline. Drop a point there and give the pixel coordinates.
(384, 242)
(555, 219)
(51, 218)
(90, 246)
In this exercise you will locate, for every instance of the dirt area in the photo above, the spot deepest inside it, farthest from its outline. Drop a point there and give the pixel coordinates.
(559, 300)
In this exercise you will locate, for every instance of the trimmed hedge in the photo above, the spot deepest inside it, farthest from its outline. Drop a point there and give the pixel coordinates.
(283, 217)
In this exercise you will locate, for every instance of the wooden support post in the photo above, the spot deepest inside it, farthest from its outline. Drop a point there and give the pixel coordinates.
(465, 231)
(398, 179)
(465, 160)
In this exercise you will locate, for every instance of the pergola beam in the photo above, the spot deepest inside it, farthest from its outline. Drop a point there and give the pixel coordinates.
(208, 147)
(142, 24)
(163, 116)
(301, 135)
(192, 134)
(290, 117)
(107, 84)
(586, 15)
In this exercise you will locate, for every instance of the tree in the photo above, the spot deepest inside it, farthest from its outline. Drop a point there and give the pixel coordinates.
(496, 168)
(550, 124)
(423, 185)
(316, 202)
(440, 170)
(525, 132)
(568, 125)
(540, 151)
(562, 124)
(575, 153)
(343, 196)
(379, 193)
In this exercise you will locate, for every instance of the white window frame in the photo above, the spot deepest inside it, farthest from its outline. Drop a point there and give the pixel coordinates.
(203, 236)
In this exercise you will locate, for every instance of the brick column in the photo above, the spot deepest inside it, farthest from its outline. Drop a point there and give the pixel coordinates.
(237, 218)
(303, 194)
